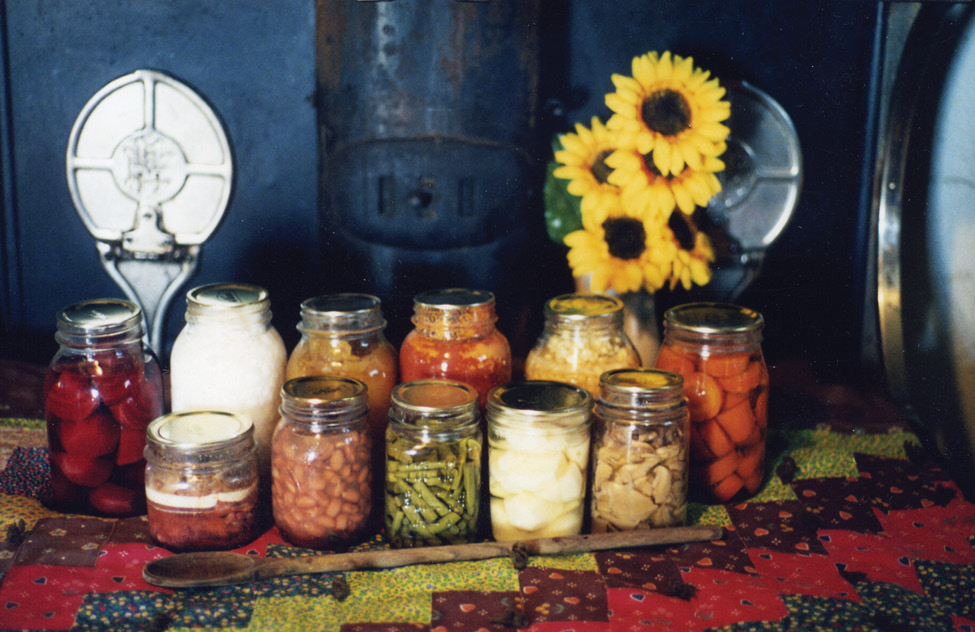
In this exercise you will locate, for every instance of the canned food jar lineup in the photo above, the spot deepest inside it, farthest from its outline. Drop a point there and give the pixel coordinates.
(347, 436)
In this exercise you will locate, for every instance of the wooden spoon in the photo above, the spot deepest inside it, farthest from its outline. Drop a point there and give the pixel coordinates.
(194, 570)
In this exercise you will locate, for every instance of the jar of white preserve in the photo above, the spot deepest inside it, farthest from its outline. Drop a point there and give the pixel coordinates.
(230, 357)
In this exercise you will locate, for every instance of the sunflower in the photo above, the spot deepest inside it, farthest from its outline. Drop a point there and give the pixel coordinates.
(642, 186)
(583, 163)
(621, 251)
(692, 253)
(672, 109)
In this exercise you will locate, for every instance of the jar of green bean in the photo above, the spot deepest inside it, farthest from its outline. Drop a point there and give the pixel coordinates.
(433, 463)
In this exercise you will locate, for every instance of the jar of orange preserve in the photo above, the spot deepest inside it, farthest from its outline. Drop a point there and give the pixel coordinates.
(716, 347)
(454, 338)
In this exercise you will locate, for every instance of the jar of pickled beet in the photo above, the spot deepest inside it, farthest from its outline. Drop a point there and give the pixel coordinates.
(101, 390)
(202, 480)
(342, 334)
(433, 464)
(538, 453)
(454, 338)
(716, 347)
(321, 479)
(228, 356)
(640, 451)
(583, 337)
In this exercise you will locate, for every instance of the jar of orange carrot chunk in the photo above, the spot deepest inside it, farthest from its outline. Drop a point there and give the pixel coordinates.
(717, 348)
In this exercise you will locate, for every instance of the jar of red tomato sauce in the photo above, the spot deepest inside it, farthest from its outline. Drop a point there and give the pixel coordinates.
(102, 389)
(717, 348)
(454, 338)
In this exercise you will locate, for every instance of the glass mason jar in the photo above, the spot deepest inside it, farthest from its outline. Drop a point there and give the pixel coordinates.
(202, 480)
(717, 348)
(640, 450)
(538, 452)
(342, 334)
(321, 479)
(454, 338)
(433, 464)
(229, 357)
(582, 338)
(101, 390)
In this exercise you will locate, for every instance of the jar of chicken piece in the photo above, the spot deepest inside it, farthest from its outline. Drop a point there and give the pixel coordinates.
(321, 480)
(583, 338)
(229, 356)
(433, 464)
(538, 453)
(716, 347)
(202, 480)
(454, 338)
(640, 451)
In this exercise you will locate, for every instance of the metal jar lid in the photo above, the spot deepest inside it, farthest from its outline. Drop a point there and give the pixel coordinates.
(713, 318)
(197, 430)
(580, 308)
(227, 296)
(641, 388)
(321, 396)
(453, 298)
(434, 405)
(341, 313)
(100, 318)
(539, 400)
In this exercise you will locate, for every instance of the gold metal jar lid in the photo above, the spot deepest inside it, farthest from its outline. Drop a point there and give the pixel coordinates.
(199, 430)
(100, 317)
(341, 313)
(453, 298)
(640, 387)
(434, 405)
(324, 395)
(713, 318)
(540, 399)
(227, 296)
(579, 308)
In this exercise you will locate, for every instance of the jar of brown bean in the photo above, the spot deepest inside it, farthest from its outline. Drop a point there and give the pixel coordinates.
(321, 480)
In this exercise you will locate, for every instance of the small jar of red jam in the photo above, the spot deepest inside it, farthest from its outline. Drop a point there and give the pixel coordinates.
(202, 480)
(102, 389)
(454, 338)
(321, 487)
(716, 347)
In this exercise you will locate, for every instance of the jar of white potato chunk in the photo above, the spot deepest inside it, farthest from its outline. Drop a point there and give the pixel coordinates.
(538, 451)
(640, 448)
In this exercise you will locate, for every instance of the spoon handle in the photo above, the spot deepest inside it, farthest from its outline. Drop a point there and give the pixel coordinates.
(484, 550)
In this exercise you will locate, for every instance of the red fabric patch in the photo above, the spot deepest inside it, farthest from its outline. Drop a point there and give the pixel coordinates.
(813, 575)
(878, 557)
(44, 597)
(936, 533)
(725, 598)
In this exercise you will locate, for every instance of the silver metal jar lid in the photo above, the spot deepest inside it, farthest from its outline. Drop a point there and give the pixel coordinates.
(579, 308)
(341, 313)
(227, 296)
(539, 398)
(640, 387)
(100, 317)
(324, 394)
(452, 298)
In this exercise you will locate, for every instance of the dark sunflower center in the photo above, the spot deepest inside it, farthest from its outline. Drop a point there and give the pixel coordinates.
(600, 170)
(648, 163)
(666, 112)
(625, 237)
(682, 231)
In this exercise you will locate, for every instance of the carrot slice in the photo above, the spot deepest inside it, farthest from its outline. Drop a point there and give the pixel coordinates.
(732, 399)
(727, 488)
(751, 461)
(744, 381)
(761, 409)
(738, 422)
(715, 437)
(669, 359)
(704, 396)
(700, 451)
(725, 364)
(717, 470)
(753, 483)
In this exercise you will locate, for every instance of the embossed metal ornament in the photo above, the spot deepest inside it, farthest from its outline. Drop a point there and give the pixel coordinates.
(150, 172)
